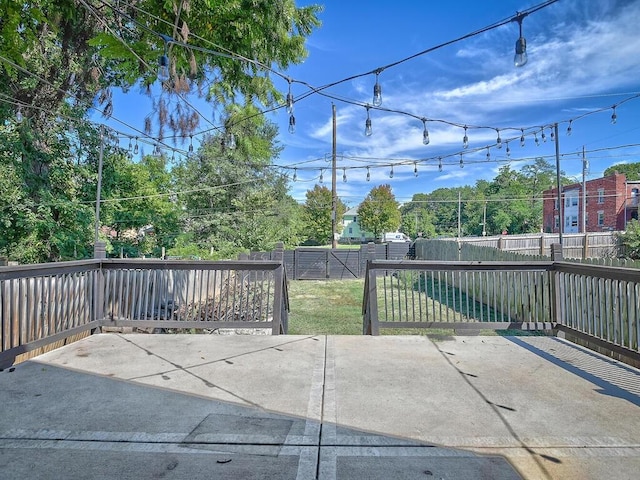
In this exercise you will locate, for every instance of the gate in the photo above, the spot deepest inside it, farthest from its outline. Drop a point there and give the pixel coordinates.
(321, 264)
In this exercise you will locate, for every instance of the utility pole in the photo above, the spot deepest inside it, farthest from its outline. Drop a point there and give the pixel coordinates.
(558, 184)
(99, 187)
(459, 213)
(584, 191)
(334, 195)
(484, 220)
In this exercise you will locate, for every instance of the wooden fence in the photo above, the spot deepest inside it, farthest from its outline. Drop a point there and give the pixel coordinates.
(575, 246)
(41, 304)
(308, 263)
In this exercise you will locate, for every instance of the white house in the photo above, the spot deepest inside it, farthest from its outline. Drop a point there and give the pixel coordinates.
(351, 231)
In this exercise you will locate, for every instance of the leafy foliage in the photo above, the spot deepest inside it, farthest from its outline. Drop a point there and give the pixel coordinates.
(630, 240)
(317, 212)
(630, 170)
(379, 211)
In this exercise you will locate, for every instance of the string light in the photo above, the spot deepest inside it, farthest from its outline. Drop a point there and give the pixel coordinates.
(190, 146)
(163, 63)
(292, 124)
(367, 124)
(425, 132)
(136, 148)
(295, 174)
(415, 169)
(391, 172)
(552, 136)
(377, 91)
(498, 140)
(544, 137)
(289, 99)
(130, 145)
(488, 154)
(614, 116)
(461, 161)
(465, 139)
(321, 175)
(344, 175)
(439, 164)
(520, 58)
(536, 139)
(569, 129)
(368, 175)
(508, 150)
(522, 137)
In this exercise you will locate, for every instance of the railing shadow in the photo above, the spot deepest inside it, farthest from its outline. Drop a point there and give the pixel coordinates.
(614, 379)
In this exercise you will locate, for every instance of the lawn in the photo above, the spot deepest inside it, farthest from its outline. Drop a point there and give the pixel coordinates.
(321, 307)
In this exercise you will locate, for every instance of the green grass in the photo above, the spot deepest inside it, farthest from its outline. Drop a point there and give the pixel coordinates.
(334, 307)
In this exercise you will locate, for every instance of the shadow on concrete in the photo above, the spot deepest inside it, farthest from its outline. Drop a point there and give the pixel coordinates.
(61, 423)
(614, 378)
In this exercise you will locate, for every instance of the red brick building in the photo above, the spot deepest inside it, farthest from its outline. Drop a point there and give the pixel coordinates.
(610, 203)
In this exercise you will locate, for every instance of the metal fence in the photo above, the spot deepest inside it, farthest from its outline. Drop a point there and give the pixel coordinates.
(42, 304)
(598, 303)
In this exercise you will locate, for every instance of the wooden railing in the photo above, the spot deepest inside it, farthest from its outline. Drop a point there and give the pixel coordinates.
(599, 304)
(41, 304)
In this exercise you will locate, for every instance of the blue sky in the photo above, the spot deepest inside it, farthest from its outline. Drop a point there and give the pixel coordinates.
(582, 56)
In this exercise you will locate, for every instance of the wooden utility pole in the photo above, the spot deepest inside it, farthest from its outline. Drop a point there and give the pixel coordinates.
(334, 195)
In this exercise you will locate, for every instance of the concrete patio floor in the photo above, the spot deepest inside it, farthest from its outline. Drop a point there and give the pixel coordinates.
(329, 407)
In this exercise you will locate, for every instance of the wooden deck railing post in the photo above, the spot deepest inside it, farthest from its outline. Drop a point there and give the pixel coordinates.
(558, 289)
(99, 252)
(279, 292)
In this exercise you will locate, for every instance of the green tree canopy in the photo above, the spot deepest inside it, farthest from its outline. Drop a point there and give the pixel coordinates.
(379, 211)
(630, 170)
(317, 215)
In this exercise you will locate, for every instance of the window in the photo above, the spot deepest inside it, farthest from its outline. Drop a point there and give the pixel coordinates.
(556, 221)
(350, 230)
(600, 218)
(355, 219)
(571, 200)
(574, 220)
(601, 195)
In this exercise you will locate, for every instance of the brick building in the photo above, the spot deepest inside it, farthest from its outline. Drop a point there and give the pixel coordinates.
(610, 203)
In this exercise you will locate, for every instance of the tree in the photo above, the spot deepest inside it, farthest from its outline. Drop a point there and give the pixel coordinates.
(379, 211)
(317, 215)
(630, 170)
(233, 200)
(630, 240)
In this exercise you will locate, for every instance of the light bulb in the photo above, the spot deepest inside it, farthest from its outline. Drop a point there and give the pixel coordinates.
(321, 176)
(535, 139)
(289, 100)
(344, 175)
(415, 169)
(135, 147)
(19, 116)
(368, 175)
(488, 154)
(292, 124)
(367, 128)
(498, 140)
(544, 137)
(439, 164)
(163, 68)
(461, 162)
(130, 145)
(391, 172)
(295, 174)
(465, 139)
(508, 150)
(425, 132)
(231, 141)
(191, 146)
(520, 58)
(552, 136)
(614, 116)
(522, 138)
(377, 94)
